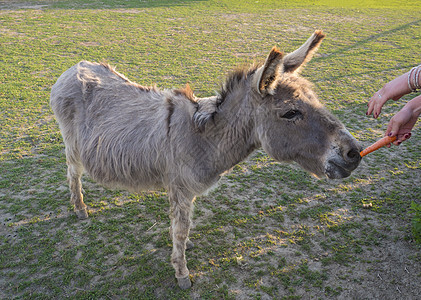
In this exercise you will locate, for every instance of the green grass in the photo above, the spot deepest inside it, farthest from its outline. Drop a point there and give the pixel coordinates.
(269, 230)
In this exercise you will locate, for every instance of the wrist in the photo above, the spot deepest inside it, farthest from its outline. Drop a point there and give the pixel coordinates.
(414, 106)
(396, 88)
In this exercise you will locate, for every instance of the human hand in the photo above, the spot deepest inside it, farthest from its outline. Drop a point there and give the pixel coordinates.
(401, 125)
(394, 90)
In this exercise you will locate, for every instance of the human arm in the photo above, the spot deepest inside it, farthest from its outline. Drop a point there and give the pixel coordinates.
(394, 90)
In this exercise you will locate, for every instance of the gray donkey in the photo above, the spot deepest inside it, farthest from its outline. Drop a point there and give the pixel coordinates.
(133, 137)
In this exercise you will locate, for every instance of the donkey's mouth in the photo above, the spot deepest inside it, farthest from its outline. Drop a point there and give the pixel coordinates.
(336, 171)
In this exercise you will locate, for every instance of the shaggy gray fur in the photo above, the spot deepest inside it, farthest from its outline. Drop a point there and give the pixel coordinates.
(129, 136)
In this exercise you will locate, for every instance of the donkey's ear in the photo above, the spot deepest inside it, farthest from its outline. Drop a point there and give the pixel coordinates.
(295, 60)
(267, 75)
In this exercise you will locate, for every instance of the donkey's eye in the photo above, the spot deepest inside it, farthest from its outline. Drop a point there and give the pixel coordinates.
(292, 114)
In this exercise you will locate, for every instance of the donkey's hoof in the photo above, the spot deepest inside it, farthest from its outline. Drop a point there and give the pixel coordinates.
(81, 214)
(184, 283)
(189, 245)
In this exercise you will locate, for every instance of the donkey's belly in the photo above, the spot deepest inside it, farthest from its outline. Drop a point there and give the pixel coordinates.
(119, 168)
(131, 181)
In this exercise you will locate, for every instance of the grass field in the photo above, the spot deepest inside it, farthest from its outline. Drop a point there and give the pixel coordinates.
(270, 230)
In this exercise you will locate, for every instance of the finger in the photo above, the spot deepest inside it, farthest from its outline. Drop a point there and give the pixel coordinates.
(370, 107)
(392, 130)
(378, 106)
(376, 103)
(389, 129)
(377, 110)
(397, 142)
(371, 103)
(402, 137)
(373, 99)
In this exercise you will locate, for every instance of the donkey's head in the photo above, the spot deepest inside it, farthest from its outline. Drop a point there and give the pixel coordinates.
(292, 125)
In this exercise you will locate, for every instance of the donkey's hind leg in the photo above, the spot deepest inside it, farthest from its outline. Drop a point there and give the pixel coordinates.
(74, 174)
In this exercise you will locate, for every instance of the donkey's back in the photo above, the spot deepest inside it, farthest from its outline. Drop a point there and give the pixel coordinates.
(106, 121)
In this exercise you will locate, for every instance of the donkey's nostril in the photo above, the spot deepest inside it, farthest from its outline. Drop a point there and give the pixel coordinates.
(353, 154)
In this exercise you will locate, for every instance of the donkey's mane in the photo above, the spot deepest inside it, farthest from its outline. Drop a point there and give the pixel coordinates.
(234, 78)
(206, 108)
(209, 107)
(187, 92)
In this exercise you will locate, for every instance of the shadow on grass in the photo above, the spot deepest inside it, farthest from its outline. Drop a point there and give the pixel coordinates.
(369, 39)
(90, 4)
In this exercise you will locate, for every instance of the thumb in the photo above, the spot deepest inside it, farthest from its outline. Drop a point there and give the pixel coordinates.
(389, 130)
(392, 128)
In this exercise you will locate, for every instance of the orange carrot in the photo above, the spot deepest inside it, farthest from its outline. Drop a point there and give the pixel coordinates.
(377, 145)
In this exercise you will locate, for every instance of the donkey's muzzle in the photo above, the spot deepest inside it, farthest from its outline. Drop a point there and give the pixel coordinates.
(341, 166)
(353, 156)
(336, 170)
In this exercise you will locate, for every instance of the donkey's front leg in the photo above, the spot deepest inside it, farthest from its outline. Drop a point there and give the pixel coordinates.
(181, 210)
